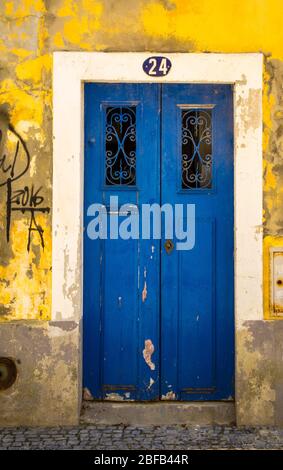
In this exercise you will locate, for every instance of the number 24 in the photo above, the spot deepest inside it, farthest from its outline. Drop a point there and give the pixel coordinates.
(162, 66)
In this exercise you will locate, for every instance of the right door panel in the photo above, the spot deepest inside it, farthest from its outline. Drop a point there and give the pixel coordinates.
(197, 285)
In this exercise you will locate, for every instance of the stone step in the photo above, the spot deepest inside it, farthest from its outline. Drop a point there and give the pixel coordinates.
(158, 413)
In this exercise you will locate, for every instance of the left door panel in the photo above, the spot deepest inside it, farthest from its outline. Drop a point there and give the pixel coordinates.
(121, 277)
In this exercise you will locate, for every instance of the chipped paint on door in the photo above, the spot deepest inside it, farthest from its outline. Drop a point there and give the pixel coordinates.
(147, 355)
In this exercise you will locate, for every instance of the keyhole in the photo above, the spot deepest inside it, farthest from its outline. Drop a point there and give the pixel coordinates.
(279, 282)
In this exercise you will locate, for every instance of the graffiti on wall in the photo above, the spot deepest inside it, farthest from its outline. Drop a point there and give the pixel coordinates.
(26, 199)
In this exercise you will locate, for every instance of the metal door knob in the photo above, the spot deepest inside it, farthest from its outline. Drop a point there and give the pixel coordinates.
(169, 246)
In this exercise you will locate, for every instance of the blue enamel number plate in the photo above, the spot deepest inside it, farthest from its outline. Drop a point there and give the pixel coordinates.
(157, 66)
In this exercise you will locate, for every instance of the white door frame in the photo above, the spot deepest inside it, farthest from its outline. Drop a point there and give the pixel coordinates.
(71, 70)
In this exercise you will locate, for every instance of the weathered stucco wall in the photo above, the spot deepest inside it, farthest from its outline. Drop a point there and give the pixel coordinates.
(46, 388)
(30, 31)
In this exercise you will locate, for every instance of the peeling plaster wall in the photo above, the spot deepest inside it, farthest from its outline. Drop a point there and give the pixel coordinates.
(260, 373)
(48, 382)
(47, 385)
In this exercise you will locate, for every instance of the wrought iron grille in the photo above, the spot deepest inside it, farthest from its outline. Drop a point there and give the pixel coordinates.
(196, 148)
(120, 146)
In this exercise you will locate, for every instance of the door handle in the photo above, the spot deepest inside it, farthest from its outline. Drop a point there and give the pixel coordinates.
(169, 246)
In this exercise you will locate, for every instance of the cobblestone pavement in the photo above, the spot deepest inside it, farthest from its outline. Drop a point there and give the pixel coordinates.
(141, 438)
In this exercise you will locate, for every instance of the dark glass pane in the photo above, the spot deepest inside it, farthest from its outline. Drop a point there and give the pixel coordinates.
(196, 148)
(120, 146)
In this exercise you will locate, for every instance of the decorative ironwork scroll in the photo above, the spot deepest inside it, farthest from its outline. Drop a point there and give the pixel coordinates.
(120, 146)
(196, 149)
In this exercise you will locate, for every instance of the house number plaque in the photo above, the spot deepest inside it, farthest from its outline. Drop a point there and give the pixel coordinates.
(157, 66)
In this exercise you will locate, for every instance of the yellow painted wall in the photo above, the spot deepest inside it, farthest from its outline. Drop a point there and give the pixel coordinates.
(30, 30)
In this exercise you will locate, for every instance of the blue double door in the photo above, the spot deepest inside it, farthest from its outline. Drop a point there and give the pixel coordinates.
(158, 321)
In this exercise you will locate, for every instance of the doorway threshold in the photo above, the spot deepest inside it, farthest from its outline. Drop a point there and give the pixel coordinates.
(158, 413)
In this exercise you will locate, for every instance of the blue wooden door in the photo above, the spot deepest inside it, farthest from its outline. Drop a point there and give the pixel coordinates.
(197, 351)
(121, 277)
(158, 324)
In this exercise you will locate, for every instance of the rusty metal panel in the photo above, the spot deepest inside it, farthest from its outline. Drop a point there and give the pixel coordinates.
(276, 280)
